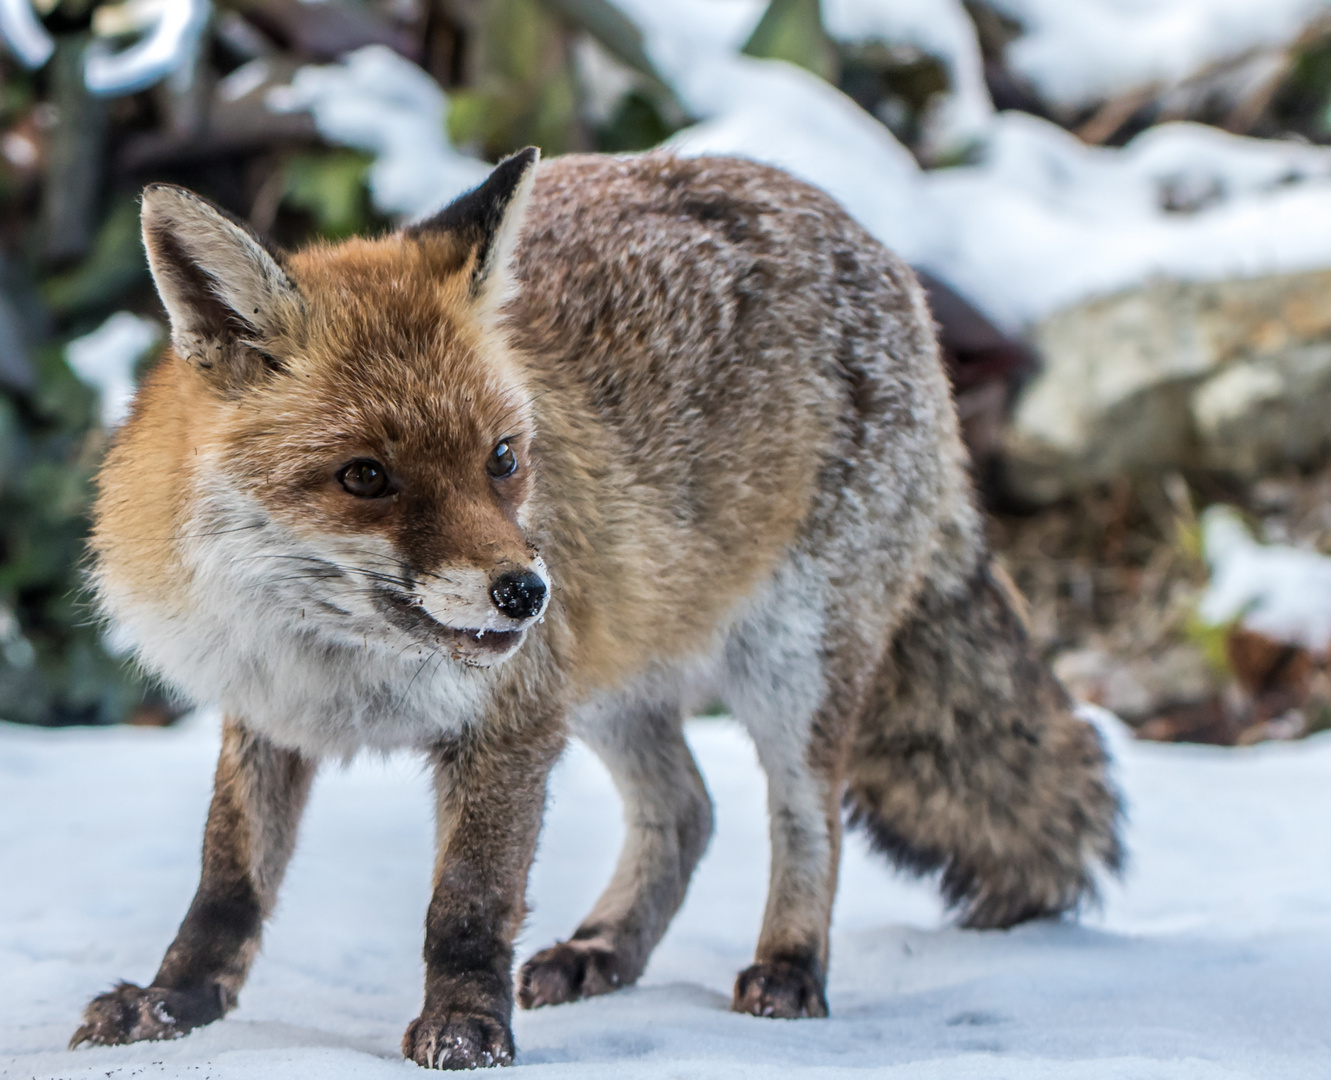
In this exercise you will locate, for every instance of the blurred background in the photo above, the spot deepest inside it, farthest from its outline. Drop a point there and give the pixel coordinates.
(1121, 209)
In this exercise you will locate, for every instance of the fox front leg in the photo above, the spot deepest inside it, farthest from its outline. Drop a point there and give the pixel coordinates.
(490, 788)
(258, 796)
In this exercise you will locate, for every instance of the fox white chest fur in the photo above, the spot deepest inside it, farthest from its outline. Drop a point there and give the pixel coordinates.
(284, 631)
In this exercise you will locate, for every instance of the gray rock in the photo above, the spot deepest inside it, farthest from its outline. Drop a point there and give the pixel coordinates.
(1233, 376)
(1136, 687)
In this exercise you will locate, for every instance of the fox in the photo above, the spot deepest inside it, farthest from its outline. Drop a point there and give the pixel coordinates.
(602, 441)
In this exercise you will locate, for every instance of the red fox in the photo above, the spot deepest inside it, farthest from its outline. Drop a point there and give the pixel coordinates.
(602, 441)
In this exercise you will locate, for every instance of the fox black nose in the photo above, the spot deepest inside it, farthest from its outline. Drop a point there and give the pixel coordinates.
(519, 596)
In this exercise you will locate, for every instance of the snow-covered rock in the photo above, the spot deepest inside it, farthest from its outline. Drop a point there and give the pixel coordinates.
(1039, 223)
(1044, 221)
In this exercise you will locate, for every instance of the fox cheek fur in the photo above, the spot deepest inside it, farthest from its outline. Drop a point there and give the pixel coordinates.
(589, 447)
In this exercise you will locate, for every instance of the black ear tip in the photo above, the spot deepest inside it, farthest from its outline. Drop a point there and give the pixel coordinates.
(482, 208)
(526, 157)
(514, 167)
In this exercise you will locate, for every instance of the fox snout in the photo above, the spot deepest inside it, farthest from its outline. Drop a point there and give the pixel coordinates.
(481, 617)
(519, 595)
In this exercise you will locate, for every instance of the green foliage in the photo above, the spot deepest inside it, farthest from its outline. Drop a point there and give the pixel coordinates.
(330, 187)
(115, 265)
(525, 91)
(613, 29)
(1312, 78)
(1307, 90)
(792, 30)
(54, 667)
(15, 98)
(1211, 642)
(636, 125)
(1188, 539)
(1302, 103)
(524, 87)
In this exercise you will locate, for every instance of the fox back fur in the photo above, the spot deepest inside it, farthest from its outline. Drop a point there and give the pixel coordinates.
(604, 439)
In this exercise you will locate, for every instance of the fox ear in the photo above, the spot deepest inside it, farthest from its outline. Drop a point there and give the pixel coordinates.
(486, 222)
(223, 292)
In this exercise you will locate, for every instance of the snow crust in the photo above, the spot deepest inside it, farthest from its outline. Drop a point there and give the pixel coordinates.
(104, 359)
(1209, 962)
(1080, 51)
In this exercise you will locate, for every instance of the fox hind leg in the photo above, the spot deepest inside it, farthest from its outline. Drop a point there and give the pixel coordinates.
(796, 673)
(969, 759)
(669, 819)
(789, 972)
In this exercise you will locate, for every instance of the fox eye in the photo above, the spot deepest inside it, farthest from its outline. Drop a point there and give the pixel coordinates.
(365, 479)
(501, 462)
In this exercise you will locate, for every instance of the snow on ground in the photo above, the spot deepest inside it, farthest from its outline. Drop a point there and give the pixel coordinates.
(1211, 961)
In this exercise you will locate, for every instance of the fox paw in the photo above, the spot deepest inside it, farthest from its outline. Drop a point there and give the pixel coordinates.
(568, 971)
(458, 1042)
(132, 1013)
(780, 989)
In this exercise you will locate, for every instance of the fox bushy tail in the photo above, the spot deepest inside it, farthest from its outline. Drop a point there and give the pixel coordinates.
(969, 759)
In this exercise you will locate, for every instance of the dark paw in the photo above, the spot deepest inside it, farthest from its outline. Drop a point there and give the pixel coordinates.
(783, 990)
(458, 1042)
(132, 1013)
(566, 972)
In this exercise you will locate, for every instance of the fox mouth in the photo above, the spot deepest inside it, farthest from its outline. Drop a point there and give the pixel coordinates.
(478, 647)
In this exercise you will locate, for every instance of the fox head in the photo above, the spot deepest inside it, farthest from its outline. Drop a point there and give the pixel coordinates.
(358, 448)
